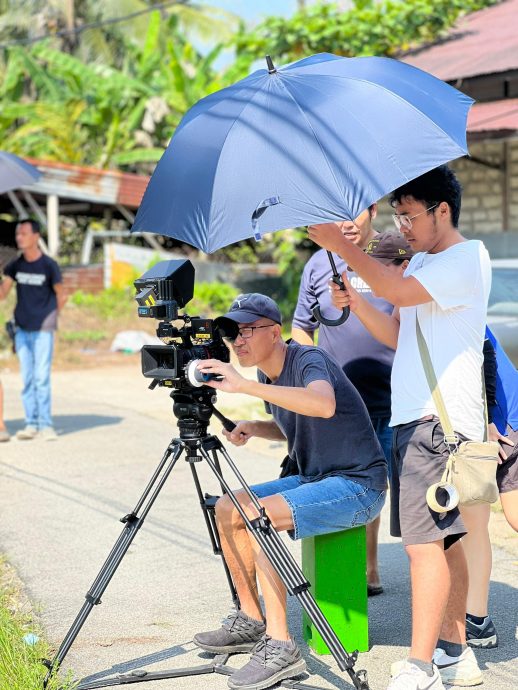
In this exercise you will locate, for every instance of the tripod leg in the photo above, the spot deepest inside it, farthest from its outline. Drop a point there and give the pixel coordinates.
(132, 523)
(285, 565)
(207, 504)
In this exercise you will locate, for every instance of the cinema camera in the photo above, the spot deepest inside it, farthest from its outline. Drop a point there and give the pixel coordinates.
(161, 291)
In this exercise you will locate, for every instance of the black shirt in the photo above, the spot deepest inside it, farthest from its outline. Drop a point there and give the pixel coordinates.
(36, 306)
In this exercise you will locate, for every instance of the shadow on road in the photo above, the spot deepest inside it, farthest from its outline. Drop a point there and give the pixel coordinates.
(70, 423)
(390, 615)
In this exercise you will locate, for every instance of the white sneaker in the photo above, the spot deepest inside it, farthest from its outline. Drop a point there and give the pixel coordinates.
(460, 670)
(27, 434)
(407, 676)
(48, 434)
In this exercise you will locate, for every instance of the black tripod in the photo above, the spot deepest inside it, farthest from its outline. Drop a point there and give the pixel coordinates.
(193, 410)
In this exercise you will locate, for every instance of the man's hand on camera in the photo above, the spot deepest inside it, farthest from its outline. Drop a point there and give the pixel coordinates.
(232, 382)
(240, 435)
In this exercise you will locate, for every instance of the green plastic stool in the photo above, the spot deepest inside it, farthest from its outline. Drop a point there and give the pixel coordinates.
(336, 565)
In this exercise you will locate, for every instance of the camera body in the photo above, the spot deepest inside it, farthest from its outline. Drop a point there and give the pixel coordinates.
(161, 291)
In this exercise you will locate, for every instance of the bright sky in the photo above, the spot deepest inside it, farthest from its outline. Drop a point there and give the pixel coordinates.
(255, 10)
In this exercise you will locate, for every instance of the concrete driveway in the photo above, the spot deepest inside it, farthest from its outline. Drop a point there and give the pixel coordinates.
(59, 509)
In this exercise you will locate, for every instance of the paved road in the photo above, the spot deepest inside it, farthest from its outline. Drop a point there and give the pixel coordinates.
(59, 509)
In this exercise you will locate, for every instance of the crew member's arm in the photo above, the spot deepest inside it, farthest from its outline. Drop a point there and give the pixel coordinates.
(384, 327)
(303, 337)
(317, 399)
(245, 430)
(303, 324)
(398, 290)
(60, 295)
(6, 283)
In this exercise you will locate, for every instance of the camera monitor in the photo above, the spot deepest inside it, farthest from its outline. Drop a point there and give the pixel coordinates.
(167, 286)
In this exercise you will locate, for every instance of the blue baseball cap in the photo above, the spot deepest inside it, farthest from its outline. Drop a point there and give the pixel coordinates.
(249, 307)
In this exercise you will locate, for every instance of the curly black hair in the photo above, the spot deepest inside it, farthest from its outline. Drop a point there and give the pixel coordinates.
(439, 184)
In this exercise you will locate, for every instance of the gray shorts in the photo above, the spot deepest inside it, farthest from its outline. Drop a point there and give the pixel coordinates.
(419, 457)
(507, 472)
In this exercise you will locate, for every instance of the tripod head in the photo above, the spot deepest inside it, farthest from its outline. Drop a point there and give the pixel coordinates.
(193, 408)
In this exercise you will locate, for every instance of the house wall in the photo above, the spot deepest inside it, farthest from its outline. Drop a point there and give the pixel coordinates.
(483, 198)
(84, 278)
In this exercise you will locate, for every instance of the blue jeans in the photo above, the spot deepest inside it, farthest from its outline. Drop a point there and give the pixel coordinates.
(34, 350)
(384, 433)
(329, 505)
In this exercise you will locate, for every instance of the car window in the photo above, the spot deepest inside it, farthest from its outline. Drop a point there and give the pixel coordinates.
(503, 298)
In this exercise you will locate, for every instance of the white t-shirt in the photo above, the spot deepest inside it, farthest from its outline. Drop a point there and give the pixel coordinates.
(453, 324)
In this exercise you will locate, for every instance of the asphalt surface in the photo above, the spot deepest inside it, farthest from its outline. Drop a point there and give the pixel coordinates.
(60, 504)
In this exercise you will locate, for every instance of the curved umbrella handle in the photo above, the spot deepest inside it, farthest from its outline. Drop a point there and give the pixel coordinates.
(315, 310)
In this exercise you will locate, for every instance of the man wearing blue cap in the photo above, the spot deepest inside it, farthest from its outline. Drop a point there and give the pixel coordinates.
(340, 483)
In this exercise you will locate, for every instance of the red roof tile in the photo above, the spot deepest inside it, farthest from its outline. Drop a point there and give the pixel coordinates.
(90, 184)
(494, 116)
(483, 42)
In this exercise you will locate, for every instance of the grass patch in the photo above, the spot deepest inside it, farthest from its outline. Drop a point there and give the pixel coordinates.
(82, 336)
(20, 663)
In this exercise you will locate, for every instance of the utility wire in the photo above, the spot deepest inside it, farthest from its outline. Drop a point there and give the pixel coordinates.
(93, 25)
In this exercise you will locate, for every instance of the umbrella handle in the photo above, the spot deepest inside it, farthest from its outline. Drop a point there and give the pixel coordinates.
(315, 310)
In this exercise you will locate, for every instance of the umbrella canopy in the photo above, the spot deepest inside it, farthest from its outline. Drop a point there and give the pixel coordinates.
(15, 172)
(317, 140)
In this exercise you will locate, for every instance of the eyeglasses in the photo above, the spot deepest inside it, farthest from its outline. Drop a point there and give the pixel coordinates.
(247, 332)
(402, 221)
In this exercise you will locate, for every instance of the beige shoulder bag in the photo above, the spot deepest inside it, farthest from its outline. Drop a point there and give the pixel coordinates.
(470, 474)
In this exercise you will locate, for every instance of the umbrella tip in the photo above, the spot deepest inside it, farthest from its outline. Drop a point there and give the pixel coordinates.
(270, 65)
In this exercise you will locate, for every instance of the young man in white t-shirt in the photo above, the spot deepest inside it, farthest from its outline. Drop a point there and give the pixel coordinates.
(446, 286)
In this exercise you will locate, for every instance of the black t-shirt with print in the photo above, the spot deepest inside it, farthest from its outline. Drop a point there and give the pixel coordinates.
(36, 305)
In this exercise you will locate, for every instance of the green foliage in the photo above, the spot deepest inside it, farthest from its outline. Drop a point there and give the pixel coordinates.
(56, 106)
(20, 663)
(82, 336)
(107, 304)
(387, 27)
(212, 298)
(209, 299)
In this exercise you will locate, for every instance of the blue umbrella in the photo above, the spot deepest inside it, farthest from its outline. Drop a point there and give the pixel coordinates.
(15, 172)
(317, 140)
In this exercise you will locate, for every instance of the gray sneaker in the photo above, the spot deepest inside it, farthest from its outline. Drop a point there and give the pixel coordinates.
(48, 434)
(271, 662)
(238, 633)
(27, 434)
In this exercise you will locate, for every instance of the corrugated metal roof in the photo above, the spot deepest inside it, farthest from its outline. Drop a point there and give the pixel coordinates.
(494, 116)
(89, 184)
(484, 42)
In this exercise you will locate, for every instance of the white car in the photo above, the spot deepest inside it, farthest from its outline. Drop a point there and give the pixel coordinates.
(502, 313)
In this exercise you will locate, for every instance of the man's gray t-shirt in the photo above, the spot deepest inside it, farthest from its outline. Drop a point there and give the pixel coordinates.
(343, 445)
(365, 361)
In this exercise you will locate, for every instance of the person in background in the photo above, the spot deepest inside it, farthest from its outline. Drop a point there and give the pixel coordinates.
(39, 298)
(501, 378)
(366, 362)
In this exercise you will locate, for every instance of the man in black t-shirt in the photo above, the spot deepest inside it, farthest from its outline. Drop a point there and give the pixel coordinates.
(340, 484)
(39, 297)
